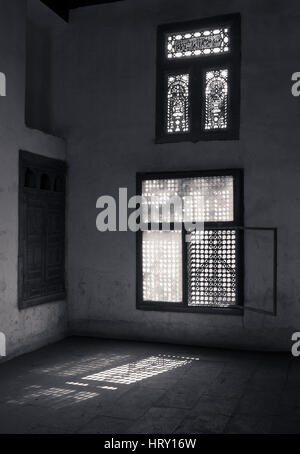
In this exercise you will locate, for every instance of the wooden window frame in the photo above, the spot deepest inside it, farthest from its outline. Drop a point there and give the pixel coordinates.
(57, 169)
(237, 225)
(196, 67)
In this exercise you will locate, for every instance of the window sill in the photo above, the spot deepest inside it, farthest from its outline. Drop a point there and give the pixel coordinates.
(41, 301)
(205, 137)
(236, 311)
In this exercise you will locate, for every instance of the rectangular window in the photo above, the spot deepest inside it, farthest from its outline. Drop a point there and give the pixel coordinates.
(198, 80)
(212, 268)
(183, 270)
(197, 43)
(162, 266)
(41, 230)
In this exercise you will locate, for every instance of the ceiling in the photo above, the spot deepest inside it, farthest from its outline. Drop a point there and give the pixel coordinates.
(62, 7)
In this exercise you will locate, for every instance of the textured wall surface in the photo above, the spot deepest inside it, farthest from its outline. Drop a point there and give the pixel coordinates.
(107, 56)
(31, 328)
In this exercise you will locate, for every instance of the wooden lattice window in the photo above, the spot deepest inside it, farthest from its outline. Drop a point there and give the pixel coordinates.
(198, 80)
(206, 272)
(41, 230)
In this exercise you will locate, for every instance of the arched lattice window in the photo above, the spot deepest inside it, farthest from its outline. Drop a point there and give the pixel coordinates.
(58, 184)
(45, 182)
(198, 80)
(178, 103)
(216, 100)
(30, 179)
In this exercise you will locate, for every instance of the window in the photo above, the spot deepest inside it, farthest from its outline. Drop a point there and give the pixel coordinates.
(41, 230)
(191, 270)
(198, 80)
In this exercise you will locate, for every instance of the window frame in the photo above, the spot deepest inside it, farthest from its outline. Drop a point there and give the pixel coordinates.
(237, 224)
(45, 199)
(197, 66)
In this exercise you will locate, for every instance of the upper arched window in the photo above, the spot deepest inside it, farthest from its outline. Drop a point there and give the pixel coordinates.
(45, 182)
(30, 179)
(59, 184)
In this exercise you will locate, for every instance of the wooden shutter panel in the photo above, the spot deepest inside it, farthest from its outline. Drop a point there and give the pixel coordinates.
(33, 246)
(55, 247)
(41, 230)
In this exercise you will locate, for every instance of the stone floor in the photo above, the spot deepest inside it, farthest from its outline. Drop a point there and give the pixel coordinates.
(109, 387)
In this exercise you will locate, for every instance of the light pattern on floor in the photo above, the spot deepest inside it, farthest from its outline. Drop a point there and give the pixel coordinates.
(67, 393)
(59, 397)
(138, 371)
(83, 366)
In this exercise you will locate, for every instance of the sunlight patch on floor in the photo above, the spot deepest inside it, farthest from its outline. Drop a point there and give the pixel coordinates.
(138, 371)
